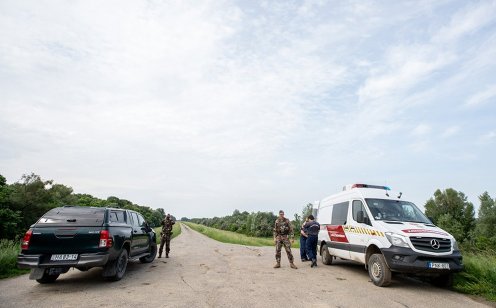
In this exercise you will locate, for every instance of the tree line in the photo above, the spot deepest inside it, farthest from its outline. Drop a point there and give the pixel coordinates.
(448, 209)
(259, 224)
(24, 202)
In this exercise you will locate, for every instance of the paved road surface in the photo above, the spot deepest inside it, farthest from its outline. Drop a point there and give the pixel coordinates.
(204, 273)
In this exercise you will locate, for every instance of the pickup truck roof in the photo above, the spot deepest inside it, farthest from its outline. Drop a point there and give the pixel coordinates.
(74, 215)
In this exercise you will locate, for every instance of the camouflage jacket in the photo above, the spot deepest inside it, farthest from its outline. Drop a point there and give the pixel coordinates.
(283, 228)
(167, 226)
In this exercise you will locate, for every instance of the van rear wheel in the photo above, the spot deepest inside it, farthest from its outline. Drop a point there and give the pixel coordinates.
(326, 256)
(379, 272)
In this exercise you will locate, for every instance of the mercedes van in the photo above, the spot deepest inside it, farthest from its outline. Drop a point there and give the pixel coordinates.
(375, 226)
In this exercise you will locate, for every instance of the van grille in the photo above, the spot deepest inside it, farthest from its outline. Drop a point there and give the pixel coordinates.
(431, 243)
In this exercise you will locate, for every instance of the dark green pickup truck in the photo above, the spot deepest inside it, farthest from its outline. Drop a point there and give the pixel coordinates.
(86, 237)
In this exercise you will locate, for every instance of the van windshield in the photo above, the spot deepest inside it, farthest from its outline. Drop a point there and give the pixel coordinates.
(396, 210)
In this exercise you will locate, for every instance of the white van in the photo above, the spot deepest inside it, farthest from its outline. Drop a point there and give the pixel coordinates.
(374, 226)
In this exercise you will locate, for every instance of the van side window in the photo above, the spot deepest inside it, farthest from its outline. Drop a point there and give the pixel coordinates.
(339, 213)
(356, 207)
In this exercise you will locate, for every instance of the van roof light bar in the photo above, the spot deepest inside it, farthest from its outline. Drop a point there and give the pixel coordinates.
(369, 186)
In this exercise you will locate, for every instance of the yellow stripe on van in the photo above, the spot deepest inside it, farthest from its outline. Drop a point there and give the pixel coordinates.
(360, 230)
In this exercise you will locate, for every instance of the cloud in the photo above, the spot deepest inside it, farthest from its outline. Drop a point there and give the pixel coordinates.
(483, 97)
(166, 103)
(487, 138)
(450, 131)
(421, 130)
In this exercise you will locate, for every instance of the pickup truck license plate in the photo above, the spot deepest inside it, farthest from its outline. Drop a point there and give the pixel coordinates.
(438, 265)
(65, 257)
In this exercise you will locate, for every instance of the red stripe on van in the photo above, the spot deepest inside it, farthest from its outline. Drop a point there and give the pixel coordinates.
(336, 234)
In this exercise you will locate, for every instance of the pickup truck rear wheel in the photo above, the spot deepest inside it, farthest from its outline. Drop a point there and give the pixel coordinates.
(151, 256)
(379, 272)
(326, 256)
(117, 267)
(47, 278)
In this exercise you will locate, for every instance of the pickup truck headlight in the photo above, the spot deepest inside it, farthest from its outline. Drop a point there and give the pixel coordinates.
(397, 240)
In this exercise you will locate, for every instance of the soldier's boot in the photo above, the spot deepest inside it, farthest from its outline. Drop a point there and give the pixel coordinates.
(160, 255)
(167, 255)
(278, 264)
(292, 265)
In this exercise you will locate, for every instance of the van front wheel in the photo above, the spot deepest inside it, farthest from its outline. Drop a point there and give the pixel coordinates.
(379, 272)
(326, 256)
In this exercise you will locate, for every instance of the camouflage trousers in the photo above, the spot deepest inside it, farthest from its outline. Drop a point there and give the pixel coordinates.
(164, 239)
(283, 241)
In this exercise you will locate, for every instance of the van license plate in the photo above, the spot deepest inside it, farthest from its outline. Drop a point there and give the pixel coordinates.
(439, 265)
(65, 257)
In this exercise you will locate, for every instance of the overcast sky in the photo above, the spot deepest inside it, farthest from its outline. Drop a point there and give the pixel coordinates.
(203, 107)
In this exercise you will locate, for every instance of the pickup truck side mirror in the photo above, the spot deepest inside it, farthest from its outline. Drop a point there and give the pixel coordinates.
(146, 227)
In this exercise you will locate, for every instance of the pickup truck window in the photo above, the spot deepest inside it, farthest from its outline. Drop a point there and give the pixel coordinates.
(135, 219)
(117, 216)
(141, 220)
(75, 216)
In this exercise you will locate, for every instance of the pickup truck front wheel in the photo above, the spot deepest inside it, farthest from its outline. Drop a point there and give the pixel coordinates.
(115, 270)
(151, 256)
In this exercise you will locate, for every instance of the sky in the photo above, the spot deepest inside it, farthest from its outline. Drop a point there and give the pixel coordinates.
(204, 107)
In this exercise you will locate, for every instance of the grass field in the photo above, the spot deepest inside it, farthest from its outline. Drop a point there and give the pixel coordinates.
(235, 238)
(8, 258)
(479, 276)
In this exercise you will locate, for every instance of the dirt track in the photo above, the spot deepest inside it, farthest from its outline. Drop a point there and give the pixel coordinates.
(204, 273)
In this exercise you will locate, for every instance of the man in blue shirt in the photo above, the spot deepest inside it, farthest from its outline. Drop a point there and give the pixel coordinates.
(312, 229)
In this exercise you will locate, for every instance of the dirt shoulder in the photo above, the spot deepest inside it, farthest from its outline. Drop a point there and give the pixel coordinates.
(202, 272)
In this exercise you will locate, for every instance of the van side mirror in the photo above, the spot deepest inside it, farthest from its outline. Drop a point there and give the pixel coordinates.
(360, 217)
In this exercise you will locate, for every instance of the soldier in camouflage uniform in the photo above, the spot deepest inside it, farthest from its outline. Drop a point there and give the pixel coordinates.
(165, 236)
(283, 235)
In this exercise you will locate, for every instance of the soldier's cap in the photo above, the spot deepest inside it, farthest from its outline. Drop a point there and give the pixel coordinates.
(281, 212)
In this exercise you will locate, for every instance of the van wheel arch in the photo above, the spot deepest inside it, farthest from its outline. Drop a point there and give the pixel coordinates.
(372, 249)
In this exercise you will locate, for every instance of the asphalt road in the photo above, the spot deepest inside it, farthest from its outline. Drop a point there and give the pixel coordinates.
(205, 273)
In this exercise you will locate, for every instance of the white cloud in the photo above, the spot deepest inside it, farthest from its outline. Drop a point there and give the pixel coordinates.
(421, 130)
(450, 131)
(487, 138)
(484, 97)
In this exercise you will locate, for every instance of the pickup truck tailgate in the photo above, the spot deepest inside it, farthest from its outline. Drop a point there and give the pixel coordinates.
(53, 239)
(68, 230)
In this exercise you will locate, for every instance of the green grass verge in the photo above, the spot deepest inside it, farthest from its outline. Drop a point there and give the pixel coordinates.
(479, 275)
(235, 238)
(8, 259)
(176, 230)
